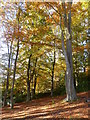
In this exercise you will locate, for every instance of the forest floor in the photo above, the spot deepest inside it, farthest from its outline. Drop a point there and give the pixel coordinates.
(49, 109)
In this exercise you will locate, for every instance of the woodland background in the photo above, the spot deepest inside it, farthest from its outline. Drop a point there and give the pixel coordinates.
(35, 35)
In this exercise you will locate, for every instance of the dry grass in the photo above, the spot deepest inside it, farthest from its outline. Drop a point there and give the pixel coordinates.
(49, 109)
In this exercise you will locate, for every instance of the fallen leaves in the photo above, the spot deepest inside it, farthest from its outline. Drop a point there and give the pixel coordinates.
(44, 108)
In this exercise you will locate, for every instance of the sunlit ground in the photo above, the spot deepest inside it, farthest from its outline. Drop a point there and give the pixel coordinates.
(47, 108)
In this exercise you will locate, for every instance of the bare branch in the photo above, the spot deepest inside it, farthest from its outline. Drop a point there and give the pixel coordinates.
(53, 8)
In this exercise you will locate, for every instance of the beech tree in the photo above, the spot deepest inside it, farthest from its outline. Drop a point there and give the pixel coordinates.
(53, 71)
(70, 90)
(8, 72)
(14, 71)
(45, 39)
(28, 79)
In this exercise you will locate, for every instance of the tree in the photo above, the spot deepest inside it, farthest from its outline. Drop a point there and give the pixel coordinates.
(14, 71)
(48, 44)
(70, 90)
(8, 72)
(28, 79)
(53, 64)
(35, 80)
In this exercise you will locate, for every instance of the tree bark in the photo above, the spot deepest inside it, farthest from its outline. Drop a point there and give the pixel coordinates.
(69, 54)
(35, 80)
(35, 83)
(7, 83)
(68, 70)
(28, 80)
(14, 73)
(52, 81)
(70, 90)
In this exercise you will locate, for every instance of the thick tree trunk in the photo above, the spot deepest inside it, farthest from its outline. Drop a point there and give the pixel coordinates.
(69, 53)
(28, 81)
(68, 71)
(69, 41)
(70, 90)
(7, 83)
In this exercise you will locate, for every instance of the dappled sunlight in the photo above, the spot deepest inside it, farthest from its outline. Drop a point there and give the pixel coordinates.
(75, 105)
(46, 109)
(44, 60)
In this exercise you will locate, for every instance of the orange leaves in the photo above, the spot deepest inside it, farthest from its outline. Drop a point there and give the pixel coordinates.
(56, 17)
(49, 20)
(19, 35)
(80, 48)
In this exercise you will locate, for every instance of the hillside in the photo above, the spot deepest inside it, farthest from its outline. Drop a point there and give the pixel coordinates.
(49, 109)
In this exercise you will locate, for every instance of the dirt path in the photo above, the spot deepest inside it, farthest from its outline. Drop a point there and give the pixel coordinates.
(49, 109)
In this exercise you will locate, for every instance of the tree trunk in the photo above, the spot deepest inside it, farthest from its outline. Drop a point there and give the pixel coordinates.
(7, 83)
(69, 55)
(35, 80)
(52, 81)
(74, 81)
(14, 74)
(35, 83)
(70, 90)
(28, 81)
(68, 71)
